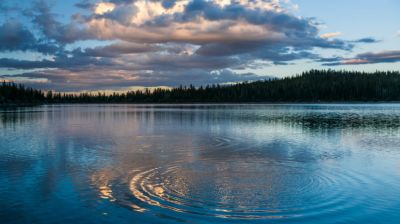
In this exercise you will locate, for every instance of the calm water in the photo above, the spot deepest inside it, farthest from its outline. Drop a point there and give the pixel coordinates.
(200, 164)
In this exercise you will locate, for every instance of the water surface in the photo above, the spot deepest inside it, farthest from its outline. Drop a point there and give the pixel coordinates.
(200, 164)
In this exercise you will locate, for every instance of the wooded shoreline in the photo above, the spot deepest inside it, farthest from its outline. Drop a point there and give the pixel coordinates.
(315, 86)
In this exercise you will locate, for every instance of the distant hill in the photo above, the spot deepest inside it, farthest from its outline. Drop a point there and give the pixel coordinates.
(311, 86)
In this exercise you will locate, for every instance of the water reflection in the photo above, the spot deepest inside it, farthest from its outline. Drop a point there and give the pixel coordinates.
(200, 163)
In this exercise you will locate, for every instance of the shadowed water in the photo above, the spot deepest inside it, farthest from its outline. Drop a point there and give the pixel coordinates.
(200, 164)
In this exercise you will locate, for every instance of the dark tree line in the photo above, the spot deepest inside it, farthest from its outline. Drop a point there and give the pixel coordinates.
(311, 86)
(13, 94)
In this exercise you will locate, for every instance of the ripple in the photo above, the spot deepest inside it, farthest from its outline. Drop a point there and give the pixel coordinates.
(245, 190)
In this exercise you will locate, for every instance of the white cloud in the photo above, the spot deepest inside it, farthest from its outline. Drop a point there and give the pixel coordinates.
(330, 35)
(148, 10)
(104, 7)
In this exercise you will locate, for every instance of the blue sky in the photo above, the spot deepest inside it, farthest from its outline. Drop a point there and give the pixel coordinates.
(90, 45)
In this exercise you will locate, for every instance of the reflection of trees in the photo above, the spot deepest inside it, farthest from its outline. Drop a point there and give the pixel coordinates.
(20, 117)
(293, 116)
(307, 117)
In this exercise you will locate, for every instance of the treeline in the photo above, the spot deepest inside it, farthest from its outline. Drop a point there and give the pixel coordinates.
(312, 86)
(13, 94)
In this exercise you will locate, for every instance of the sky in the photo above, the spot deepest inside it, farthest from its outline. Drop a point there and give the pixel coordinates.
(118, 45)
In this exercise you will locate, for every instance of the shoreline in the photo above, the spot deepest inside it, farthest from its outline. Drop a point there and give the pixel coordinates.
(205, 103)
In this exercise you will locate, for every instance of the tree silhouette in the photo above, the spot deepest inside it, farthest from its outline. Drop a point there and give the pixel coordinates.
(311, 86)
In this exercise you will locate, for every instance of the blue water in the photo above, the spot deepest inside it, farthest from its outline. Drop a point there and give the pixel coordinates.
(200, 164)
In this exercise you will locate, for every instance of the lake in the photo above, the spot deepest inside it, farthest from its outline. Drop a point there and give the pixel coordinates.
(221, 163)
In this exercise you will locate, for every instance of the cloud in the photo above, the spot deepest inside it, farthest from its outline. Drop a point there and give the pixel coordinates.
(367, 40)
(330, 35)
(54, 30)
(104, 7)
(61, 62)
(84, 4)
(91, 80)
(15, 37)
(367, 58)
(162, 42)
(117, 50)
(205, 22)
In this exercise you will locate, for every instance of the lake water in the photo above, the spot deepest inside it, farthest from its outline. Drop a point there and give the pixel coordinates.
(200, 164)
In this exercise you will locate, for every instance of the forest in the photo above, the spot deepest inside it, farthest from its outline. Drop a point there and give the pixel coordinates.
(311, 86)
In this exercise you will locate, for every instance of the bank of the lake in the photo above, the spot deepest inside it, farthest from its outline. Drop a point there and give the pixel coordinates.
(315, 86)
